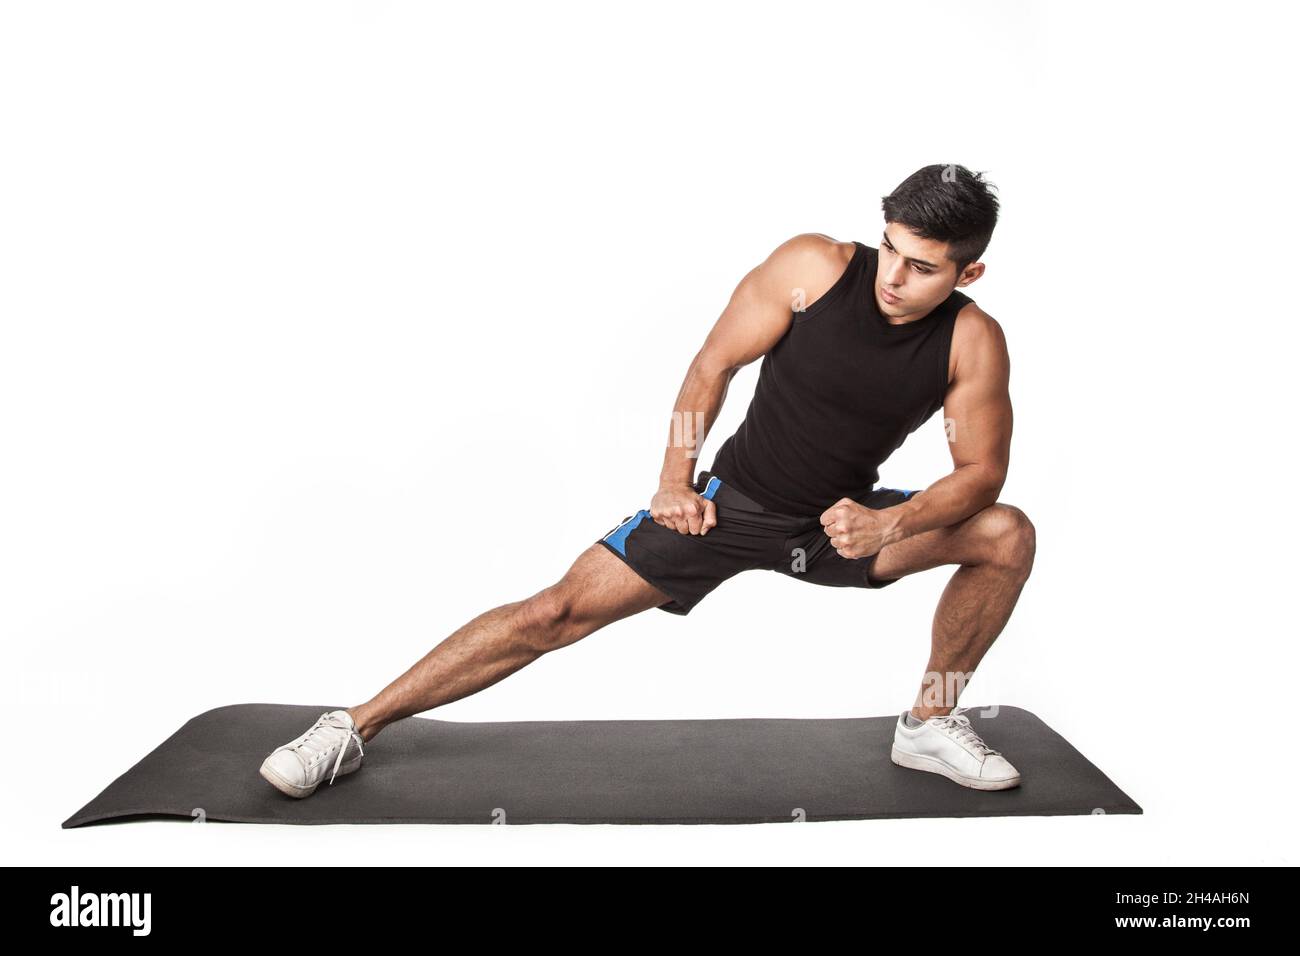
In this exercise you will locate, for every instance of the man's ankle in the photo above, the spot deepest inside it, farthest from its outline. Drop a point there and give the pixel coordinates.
(366, 726)
(925, 714)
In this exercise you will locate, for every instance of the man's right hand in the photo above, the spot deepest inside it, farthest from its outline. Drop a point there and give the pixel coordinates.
(680, 508)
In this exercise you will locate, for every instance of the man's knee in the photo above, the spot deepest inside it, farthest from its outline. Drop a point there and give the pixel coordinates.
(1008, 537)
(547, 620)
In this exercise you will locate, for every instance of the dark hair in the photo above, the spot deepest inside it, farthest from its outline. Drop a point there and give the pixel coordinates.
(946, 203)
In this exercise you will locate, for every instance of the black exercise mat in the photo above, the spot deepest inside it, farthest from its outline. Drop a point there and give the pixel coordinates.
(747, 770)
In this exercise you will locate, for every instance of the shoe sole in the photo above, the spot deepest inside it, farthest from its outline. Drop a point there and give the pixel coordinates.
(292, 790)
(933, 765)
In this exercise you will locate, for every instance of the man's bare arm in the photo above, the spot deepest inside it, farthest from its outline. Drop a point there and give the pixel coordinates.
(977, 420)
(757, 316)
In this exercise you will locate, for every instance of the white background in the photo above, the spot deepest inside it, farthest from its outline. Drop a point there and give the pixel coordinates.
(327, 326)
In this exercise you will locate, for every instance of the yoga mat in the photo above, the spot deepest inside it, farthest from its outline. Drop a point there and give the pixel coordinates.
(731, 770)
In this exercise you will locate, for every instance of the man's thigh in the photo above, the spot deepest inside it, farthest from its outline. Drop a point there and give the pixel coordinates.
(601, 589)
(688, 567)
(977, 538)
(819, 563)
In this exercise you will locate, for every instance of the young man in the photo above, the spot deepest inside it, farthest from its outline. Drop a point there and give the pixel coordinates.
(861, 346)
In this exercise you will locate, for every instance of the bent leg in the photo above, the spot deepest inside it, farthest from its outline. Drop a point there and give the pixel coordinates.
(597, 590)
(995, 548)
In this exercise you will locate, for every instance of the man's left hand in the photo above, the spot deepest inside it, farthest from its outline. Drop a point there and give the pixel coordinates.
(855, 530)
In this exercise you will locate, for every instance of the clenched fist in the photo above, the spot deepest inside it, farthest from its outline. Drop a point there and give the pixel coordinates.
(855, 530)
(680, 508)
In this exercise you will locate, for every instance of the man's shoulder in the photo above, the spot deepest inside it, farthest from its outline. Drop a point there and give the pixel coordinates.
(813, 254)
(974, 332)
(973, 324)
(811, 261)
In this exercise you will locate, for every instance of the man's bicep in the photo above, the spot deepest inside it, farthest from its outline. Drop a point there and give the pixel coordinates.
(977, 408)
(760, 310)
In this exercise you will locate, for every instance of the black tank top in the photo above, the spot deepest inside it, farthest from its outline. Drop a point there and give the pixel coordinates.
(836, 395)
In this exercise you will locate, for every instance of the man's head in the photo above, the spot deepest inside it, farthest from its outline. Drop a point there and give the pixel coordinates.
(938, 222)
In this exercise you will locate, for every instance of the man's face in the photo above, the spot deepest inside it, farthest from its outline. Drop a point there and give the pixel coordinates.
(914, 275)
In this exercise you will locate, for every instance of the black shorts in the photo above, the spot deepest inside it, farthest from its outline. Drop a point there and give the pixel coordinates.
(747, 536)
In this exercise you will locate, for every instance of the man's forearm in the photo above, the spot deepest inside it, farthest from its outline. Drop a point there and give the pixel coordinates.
(696, 408)
(950, 499)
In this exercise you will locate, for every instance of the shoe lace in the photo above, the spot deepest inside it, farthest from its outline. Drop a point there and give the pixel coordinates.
(317, 744)
(958, 726)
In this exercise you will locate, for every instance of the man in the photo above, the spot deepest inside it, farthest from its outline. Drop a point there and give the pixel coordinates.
(861, 346)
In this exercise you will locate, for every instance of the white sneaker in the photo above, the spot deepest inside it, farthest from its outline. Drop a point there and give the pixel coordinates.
(296, 769)
(947, 744)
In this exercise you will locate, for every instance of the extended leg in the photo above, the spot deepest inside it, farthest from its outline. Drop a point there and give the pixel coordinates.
(995, 548)
(597, 590)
